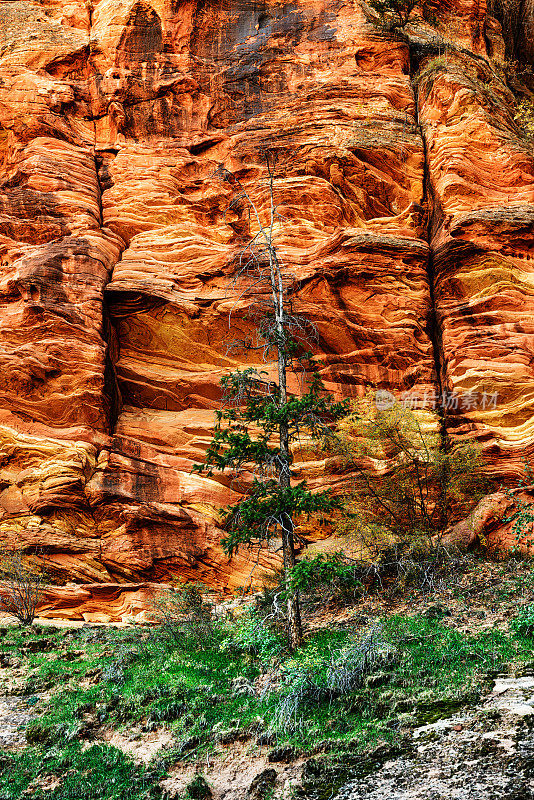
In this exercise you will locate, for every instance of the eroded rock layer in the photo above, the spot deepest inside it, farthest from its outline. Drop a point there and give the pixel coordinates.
(481, 179)
(406, 195)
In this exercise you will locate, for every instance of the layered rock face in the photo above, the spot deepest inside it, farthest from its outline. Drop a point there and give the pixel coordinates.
(481, 253)
(406, 193)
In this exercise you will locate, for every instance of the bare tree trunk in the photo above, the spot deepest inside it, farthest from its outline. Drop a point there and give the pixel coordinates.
(294, 622)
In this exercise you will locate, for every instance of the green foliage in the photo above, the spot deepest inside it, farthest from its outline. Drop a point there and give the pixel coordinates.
(329, 576)
(317, 677)
(261, 421)
(252, 636)
(408, 484)
(261, 515)
(524, 622)
(38, 732)
(521, 514)
(432, 68)
(346, 688)
(247, 438)
(405, 665)
(97, 773)
(522, 517)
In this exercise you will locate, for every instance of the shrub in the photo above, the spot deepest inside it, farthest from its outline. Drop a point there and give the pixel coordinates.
(114, 673)
(320, 677)
(38, 732)
(328, 576)
(363, 656)
(521, 513)
(524, 622)
(184, 616)
(524, 117)
(250, 634)
(432, 68)
(339, 579)
(21, 585)
(418, 565)
(167, 711)
(407, 484)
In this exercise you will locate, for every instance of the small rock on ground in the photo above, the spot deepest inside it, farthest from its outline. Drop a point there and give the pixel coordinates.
(15, 713)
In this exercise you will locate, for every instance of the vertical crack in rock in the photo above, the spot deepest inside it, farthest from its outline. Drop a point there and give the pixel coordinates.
(430, 204)
(517, 21)
(109, 332)
(481, 174)
(56, 389)
(432, 212)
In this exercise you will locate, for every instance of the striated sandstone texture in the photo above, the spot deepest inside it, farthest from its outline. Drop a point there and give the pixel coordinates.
(407, 192)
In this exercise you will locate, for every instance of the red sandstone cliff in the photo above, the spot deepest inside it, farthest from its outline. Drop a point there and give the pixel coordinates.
(408, 191)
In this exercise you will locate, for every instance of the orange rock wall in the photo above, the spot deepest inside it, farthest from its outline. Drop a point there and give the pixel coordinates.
(407, 192)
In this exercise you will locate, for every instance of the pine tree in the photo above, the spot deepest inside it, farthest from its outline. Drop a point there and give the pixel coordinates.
(261, 419)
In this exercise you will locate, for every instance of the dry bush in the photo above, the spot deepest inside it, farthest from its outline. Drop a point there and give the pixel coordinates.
(407, 483)
(21, 585)
(321, 677)
(524, 117)
(183, 615)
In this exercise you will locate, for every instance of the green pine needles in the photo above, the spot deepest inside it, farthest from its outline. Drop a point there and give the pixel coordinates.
(247, 440)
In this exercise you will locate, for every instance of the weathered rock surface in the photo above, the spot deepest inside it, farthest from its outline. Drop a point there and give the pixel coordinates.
(482, 754)
(407, 192)
(482, 229)
(100, 602)
(15, 713)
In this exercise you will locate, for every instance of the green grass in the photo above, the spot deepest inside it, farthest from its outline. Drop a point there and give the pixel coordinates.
(97, 773)
(109, 678)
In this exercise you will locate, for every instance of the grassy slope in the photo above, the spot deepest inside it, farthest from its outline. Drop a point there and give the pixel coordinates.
(109, 678)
